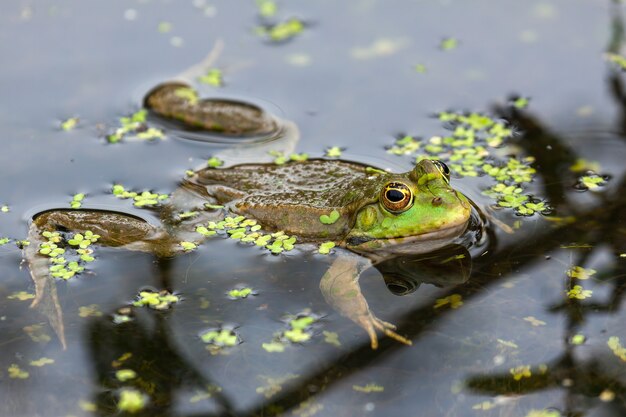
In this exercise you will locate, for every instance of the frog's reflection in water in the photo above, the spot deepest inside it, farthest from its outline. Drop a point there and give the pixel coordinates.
(145, 343)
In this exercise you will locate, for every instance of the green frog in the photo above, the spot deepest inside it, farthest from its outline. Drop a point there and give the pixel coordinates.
(370, 214)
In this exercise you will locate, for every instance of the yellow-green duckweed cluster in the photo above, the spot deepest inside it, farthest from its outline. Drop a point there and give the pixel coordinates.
(218, 340)
(215, 162)
(238, 293)
(469, 151)
(161, 300)
(58, 248)
(280, 158)
(77, 200)
(579, 273)
(325, 247)
(454, 301)
(135, 126)
(543, 413)
(617, 348)
(299, 331)
(282, 31)
(591, 181)
(69, 124)
(131, 401)
(213, 77)
(142, 199)
(333, 152)
(248, 231)
(369, 388)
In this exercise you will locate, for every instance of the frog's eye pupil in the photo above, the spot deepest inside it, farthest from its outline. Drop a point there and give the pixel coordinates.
(396, 197)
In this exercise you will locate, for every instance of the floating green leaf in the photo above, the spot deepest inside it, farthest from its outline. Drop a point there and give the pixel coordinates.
(131, 401)
(69, 124)
(334, 152)
(330, 218)
(213, 77)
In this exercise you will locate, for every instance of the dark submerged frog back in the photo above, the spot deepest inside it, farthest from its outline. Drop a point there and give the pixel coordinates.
(176, 100)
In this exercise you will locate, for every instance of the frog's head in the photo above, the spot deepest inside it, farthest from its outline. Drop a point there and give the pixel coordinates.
(417, 211)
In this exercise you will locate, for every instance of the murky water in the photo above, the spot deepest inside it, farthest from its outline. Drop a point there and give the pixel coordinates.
(519, 345)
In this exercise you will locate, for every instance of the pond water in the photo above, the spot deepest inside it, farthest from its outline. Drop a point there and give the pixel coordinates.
(535, 330)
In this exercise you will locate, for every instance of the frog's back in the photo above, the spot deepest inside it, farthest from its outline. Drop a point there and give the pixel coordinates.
(293, 196)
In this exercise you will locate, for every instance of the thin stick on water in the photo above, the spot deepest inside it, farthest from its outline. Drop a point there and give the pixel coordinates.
(199, 69)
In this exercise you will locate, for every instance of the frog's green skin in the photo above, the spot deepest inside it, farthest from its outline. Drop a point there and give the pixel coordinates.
(291, 198)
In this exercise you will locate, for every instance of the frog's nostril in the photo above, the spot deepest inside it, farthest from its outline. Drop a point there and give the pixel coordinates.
(437, 201)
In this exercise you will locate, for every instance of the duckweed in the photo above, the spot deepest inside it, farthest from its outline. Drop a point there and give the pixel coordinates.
(56, 248)
(213, 77)
(77, 200)
(187, 214)
(534, 321)
(448, 44)
(469, 152)
(617, 348)
(579, 293)
(215, 162)
(41, 362)
(369, 388)
(591, 182)
(4, 208)
(583, 165)
(37, 333)
(332, 338)
(274, 385)
(135, 125)
(92, 310)
(543, 413)
(299, 331)
(161, 300)
(325, 247)
(21, 296)
(579, 272)
(188, 246)
(131, 401)
(267, 8)
(16, 372)
(454, 301)
(330, 218)
(248, 231)
(578, 339)
(69, 124)
(220, 338)
(145, 198)
(333, 152)
(4, 241)
(188, 94)
(280, 158)
(520, 372)
(238, 293)
(124, 375)
(520, 102)
(282, 31)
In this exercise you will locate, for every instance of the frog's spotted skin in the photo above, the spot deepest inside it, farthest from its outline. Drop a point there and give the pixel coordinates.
(292, 197)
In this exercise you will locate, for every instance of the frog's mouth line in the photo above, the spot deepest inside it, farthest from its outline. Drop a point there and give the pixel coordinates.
(364, 243)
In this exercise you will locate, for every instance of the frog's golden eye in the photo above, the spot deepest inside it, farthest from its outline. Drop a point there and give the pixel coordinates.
(396, 197)
(443, 168)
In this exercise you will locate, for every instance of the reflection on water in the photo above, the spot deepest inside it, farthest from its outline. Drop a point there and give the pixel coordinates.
(499, 331)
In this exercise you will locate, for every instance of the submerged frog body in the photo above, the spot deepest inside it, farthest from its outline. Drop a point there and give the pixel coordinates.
(376, 215)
